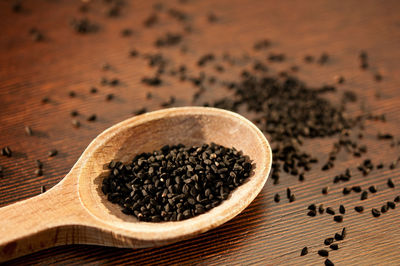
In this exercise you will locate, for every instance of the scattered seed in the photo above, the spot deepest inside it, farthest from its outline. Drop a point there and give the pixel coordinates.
(346, 191)
(304, 251)
(364, 195)
(330, 211)
(328, 241)
(325, 190)
(321, 209)
(338, 218)
(338, 237)
(312, 213)
(328, 262)
(390, 183)
(344, 232)
(375, 212)
(93, 90)
(292, 198)
(372, 189)
(342, 210)
(334, 246)
(356, 189)
(323, 253)
(109, 97)
(92, 118)
(359, 208)
(384, 208)
(391, 205)
(277, 198)
(288, 193)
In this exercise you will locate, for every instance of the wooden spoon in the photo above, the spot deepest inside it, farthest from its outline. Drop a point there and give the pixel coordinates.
(75, 211)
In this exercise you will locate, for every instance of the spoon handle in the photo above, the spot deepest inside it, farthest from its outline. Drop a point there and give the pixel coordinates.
(36, 223)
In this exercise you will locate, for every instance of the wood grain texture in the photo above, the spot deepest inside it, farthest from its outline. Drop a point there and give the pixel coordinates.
(265, 233)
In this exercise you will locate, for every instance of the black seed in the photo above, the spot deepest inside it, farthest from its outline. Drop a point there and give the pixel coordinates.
(338, 218)
(325, 190)
(346, 191)
(328, 262)
(384, 208)
(334, 246)
(321, 209)
(356, 189)
(359, 208)
(42, 189)
(52, 153)
(28, 131)
(375, 212)
(277, 198)
(92, 118)
(72, 94)
(288, 193)
(84, 26)
(126, 32)
(364, 195)
(390, 183)
(344, 232)
(140, 111)
(154, 81)
(109, 97)
(93, 90)
(312, 207)
(342, 210)
(323, 253)
(397, 199)
(391, 205)
(17, 7)
(330, 211)
(74, 113)
(304, 251)
(328, 241)
(312, 213)
(372, 189)
(309, 58)
(133, 53)
(338, 237)
(45, 100)
(292, 198)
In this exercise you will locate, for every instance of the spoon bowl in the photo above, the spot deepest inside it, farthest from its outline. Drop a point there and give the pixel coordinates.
(75, 211)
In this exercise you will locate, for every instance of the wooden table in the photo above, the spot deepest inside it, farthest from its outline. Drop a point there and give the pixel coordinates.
(266, 233)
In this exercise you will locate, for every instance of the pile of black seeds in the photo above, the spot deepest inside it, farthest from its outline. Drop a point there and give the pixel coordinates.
(176, 182)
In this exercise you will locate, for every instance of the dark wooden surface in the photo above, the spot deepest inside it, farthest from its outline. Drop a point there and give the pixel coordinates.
(266, 233)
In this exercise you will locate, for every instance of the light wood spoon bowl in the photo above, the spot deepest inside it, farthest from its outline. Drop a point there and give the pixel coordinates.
(75, 211)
